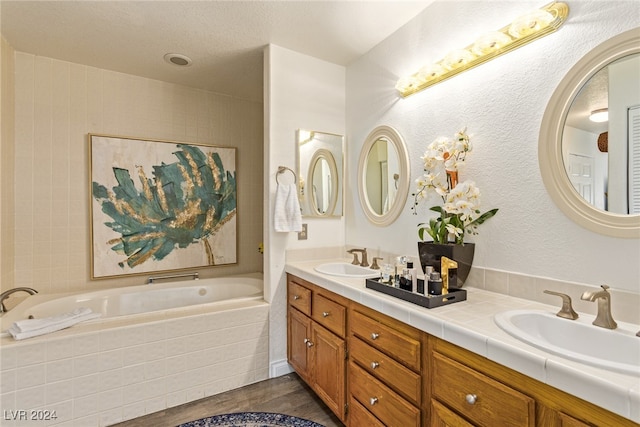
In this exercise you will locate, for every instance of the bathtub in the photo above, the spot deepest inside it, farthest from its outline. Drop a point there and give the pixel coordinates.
(140, 299)
(155, 346)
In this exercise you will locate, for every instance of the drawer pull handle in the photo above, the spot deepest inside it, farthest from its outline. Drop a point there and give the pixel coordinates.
(471, 399)
(374, 365)
(325, 314)
(296, 297)
(374, 336)
(309, 343)
(373, 400)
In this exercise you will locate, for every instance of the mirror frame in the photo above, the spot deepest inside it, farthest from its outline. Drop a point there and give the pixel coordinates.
(550, 157)
(391, 135)
(304, 166)
(331, 161)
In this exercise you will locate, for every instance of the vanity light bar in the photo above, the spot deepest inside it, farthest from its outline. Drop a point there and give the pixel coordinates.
(523, 30)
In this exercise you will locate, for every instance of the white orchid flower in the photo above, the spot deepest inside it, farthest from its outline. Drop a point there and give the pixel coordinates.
(454, 230)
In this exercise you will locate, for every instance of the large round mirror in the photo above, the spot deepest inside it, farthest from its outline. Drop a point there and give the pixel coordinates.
(383, 175)
(588, 168)
(323, 177)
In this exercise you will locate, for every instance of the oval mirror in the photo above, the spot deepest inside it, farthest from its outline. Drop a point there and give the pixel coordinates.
(323, 180)
(383, 175)
(320, 168)
(600, 192)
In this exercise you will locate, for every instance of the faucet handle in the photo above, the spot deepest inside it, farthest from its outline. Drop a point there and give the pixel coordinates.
(354, 252)
(566, 311)
(374, 263)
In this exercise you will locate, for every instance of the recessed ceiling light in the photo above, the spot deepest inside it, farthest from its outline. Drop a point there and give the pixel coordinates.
(177, 59)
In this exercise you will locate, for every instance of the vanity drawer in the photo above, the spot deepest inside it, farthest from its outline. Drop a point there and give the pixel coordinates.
(299, 297)
(380, 400)
(478, 397)
(388, 340)
(401, 379)
(360, 417)
(329, 314)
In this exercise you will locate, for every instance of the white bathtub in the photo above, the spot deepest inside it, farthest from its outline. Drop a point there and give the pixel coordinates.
(140, 299)
(156, 346)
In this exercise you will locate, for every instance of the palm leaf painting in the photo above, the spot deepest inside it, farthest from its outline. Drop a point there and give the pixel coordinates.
(182, 205)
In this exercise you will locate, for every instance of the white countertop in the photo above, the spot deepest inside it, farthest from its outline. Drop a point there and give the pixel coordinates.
(470, 325)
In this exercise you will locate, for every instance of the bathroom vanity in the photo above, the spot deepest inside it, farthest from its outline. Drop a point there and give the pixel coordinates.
(376, 361)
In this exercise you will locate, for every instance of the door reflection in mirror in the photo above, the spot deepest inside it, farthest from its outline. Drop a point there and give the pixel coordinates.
(381, 176)
(607, 176)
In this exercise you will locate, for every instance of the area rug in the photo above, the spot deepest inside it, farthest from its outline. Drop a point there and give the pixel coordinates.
(251, 419)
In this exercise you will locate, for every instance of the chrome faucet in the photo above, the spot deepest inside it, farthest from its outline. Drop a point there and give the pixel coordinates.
(5, 295)
(363, 251)
(603, 318)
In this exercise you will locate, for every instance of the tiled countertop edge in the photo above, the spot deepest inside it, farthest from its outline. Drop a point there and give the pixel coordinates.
(469, 324)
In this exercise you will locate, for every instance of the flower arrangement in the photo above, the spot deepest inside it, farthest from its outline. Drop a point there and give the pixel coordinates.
(460, 212)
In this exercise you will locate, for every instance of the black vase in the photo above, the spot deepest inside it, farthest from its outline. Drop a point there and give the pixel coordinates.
(431, 253)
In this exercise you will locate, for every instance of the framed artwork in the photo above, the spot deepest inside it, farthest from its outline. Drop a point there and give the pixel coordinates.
(160, 206)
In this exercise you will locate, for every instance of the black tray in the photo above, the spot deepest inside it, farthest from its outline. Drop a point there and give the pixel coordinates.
(428, 301)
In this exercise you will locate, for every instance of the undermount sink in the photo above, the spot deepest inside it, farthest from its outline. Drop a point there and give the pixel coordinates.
(613, 349)
(344, 269)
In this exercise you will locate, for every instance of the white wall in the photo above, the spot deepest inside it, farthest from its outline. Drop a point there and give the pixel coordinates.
(501, 103)
(57, 104)
(301, 92)
(7, 137)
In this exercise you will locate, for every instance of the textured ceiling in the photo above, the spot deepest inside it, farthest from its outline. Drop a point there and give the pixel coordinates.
(225, 39)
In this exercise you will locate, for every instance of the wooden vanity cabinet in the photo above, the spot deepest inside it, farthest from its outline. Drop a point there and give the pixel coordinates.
(468, 389)
(385, 369)
(316, 347)
(397, 375)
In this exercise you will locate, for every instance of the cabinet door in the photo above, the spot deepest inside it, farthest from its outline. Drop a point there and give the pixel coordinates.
(441, 416)
(567, 421)
(329, 365)
(298, 339)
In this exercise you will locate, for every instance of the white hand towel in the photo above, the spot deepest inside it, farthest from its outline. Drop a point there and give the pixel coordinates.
(287, 216)
(33, 324)
(50, 326)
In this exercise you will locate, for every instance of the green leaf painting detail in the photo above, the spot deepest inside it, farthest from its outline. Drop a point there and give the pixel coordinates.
(184, 203)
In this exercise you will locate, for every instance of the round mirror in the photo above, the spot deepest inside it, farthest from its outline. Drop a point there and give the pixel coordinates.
(588, 170)
(383, 175)
(323, 176)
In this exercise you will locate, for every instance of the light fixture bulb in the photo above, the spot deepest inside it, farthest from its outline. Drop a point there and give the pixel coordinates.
(490, 42)
(530, 23)
(599, 116)
(430, 72)
(457, 58)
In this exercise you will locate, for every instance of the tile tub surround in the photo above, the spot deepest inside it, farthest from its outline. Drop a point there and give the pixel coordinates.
(103, 373)
(469, 324)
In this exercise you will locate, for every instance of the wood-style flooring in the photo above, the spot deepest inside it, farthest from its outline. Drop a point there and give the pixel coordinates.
(287, 394)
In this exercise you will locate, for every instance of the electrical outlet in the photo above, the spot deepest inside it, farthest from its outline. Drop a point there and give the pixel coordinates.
(302, 235)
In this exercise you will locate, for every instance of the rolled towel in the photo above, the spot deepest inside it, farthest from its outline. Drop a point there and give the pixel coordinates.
(50, 324)
(287, 216)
